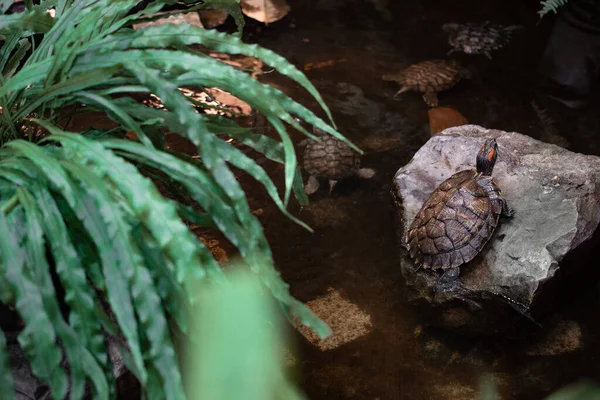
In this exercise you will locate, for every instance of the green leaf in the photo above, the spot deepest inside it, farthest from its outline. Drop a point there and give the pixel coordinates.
(194, 216)
(81, 362)
(78, 294)
(219, 344)
(79, 82)
(116, 114)
(488, 389)
(117, 261)
(164, 36)
(119, 258)
(159, 215)
(12, 65)
(99, 134)
(206, 71)
(201, 186)
(270, 148)
(8, 46)
(191, 125)
(160, 349)
(5, 5)
(203, 190)
(193, 69)
(38, 337)
(245, 163)
(27, 76)
(84, 244)
(60, 30)
(551, 6)
(37, 21)
(585, 390)
(162, 269)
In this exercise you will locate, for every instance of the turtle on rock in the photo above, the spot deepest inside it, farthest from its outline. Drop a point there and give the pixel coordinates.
(458, 218)
(429, 77)
(478, 38)
(330, 160)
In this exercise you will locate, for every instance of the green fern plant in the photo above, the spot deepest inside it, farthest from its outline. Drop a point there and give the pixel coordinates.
(551, 6)
(77, 202)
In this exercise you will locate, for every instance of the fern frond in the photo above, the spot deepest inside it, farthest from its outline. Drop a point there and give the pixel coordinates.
(82, 205)
(551, 6)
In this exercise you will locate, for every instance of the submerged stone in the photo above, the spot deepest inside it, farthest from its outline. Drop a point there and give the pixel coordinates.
(534, 260)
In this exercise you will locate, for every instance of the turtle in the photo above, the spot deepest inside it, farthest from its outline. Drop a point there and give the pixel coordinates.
(458, 218)
(429, 77)
(478, 38)
(330, 159)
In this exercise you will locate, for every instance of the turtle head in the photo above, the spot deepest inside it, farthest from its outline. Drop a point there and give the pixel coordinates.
(486, 158)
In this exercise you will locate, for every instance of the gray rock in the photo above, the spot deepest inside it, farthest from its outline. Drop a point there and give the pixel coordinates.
(556, 197)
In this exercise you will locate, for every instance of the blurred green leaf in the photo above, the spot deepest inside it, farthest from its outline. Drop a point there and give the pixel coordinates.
(233, 363)
(585, 390)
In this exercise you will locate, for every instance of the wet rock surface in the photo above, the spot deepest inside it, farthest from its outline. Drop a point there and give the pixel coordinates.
(556, 197)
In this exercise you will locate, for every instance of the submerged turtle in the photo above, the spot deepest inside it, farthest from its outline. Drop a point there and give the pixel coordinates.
(458, 218)
(330, 159)
(478, 38)
(429, 77)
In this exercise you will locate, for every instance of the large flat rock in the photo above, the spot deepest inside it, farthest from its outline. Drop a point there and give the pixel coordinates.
(556, 197)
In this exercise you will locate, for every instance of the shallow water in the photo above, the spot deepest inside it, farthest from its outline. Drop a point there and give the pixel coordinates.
(344, 48)
(354, 250)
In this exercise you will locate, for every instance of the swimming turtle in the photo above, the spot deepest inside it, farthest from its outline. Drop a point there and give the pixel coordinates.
(330, 159)
(458, 218)
(478, 38)
(429, 77)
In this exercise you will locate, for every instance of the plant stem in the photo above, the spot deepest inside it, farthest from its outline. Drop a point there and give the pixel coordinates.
(10, 204)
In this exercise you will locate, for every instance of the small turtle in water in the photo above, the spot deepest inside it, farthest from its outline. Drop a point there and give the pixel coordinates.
(478, 38)
(429, 77)
(330, 159)
(458, 218)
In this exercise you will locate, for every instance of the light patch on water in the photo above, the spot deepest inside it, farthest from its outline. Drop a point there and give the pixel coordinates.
(346, 320)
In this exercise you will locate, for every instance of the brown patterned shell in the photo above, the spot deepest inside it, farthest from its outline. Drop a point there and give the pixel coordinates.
(455, 222)
(477, 38)
(330, 159)
(430, 76)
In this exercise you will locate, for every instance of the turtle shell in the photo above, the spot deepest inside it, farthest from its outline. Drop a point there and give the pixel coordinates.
(479, 38)
(455, 222)
(330, 159)
(430, 76)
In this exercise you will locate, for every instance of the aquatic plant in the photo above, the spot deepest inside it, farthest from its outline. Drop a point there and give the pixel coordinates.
(78, 204)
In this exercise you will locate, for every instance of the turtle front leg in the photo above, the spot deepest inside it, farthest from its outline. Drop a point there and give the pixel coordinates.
(507, 211)
(450, 280)
(431, 99)
(312, 185)
(332, 184)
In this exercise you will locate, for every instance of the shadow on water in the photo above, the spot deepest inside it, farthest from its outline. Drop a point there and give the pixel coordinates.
(344, 48)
